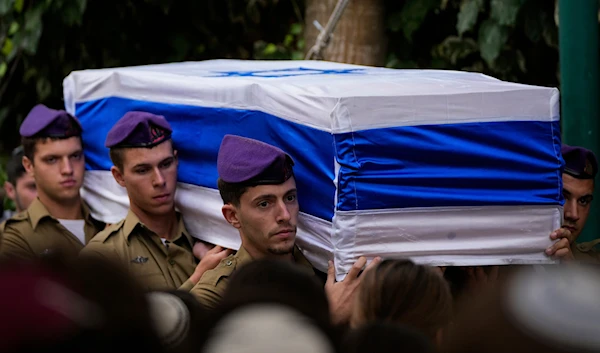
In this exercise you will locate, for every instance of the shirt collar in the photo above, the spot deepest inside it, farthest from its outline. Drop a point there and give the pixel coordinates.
(132, 221)
(37, 211)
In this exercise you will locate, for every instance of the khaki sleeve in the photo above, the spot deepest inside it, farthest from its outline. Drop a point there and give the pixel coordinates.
(186, 286)
(208, 295)
(14, 245)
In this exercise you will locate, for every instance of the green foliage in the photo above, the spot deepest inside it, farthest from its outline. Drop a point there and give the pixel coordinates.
(292, 47)
(467, 17)
(515, 40)
(412, 15)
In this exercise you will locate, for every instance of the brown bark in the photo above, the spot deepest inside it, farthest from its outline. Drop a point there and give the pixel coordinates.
(359, 37)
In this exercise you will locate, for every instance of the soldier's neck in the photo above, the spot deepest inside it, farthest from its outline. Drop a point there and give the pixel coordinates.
(62, 209)
(256, 255)
(164, 225)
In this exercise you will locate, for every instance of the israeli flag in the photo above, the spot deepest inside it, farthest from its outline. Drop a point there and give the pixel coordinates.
(444, 167)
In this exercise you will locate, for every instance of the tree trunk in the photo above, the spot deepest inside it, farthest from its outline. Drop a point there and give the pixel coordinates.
(358, 38)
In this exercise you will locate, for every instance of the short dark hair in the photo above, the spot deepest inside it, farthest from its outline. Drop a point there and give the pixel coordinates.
(29, 143)
(14, 166)
(231, 192)
(117, 154)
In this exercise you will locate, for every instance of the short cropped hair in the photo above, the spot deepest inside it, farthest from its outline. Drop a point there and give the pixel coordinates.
(117, 154)
(14, 166)
(231, 192)
(29, 144)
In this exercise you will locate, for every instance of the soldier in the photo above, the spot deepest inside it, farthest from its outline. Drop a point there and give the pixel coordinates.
(580, 170)
(58, 219)
(258, 188)
(152, 241)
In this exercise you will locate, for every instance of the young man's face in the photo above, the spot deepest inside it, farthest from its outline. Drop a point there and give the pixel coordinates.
(23, 192)
(267, 218)
(150, 177)
(58, 168)
(578, 198)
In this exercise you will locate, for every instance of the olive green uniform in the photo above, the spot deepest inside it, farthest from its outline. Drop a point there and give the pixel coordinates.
(157, 266)
(209, 290)
(34, 232)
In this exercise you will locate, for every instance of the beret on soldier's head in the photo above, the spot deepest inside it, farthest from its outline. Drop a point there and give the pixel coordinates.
(45, 122)
(243, 160)
(580, 163)
(139, 129)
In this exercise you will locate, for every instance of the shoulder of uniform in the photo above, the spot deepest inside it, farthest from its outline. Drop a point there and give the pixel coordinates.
(587, 246)
(107, 232)
(224, 269)
(18, 217)
(14, 220)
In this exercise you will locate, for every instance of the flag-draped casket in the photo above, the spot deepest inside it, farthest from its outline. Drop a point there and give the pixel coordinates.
(444, 167)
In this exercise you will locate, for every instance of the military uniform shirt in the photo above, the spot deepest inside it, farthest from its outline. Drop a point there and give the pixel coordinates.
(586, 253)
(34, 232)
(209, 290)
(155, 265)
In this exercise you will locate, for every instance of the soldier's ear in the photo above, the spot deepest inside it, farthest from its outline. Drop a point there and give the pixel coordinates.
(231, 215)
(10, 190)
(117, 175)
(28, 165)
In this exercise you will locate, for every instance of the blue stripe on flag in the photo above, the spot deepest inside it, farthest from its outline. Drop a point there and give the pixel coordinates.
(491, 163)
(197, 135)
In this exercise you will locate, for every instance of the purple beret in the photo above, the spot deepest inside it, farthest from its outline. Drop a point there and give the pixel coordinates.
(139, 129)
(45, 122)
(579, 162)
(251, 162)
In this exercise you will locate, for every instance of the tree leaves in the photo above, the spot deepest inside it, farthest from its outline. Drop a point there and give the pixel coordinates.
(505, 11)
(5, 6)
(412, 15)
(467, 17)
(455, 48)
(492, 37)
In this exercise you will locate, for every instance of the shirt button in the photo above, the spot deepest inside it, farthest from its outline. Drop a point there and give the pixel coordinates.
(228, 263)
(172, 262)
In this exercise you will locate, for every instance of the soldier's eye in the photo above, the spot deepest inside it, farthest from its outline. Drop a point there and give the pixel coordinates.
(263, 204)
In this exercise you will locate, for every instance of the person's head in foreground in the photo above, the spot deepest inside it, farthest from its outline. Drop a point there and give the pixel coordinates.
(402, 292)
(386, 337)
(266, 328)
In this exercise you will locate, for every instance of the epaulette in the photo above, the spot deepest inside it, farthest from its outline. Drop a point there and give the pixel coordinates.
(107, 232)
(223, 269)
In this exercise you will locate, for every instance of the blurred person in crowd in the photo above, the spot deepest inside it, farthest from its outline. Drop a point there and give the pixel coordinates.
(83, 305)
(19, 186)
(258, 188)
(266, 328)
(284, 283)
(537, 309)
(152, 242)
(179, 319)
(402, 292)
(58, 219)
(379, 336)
